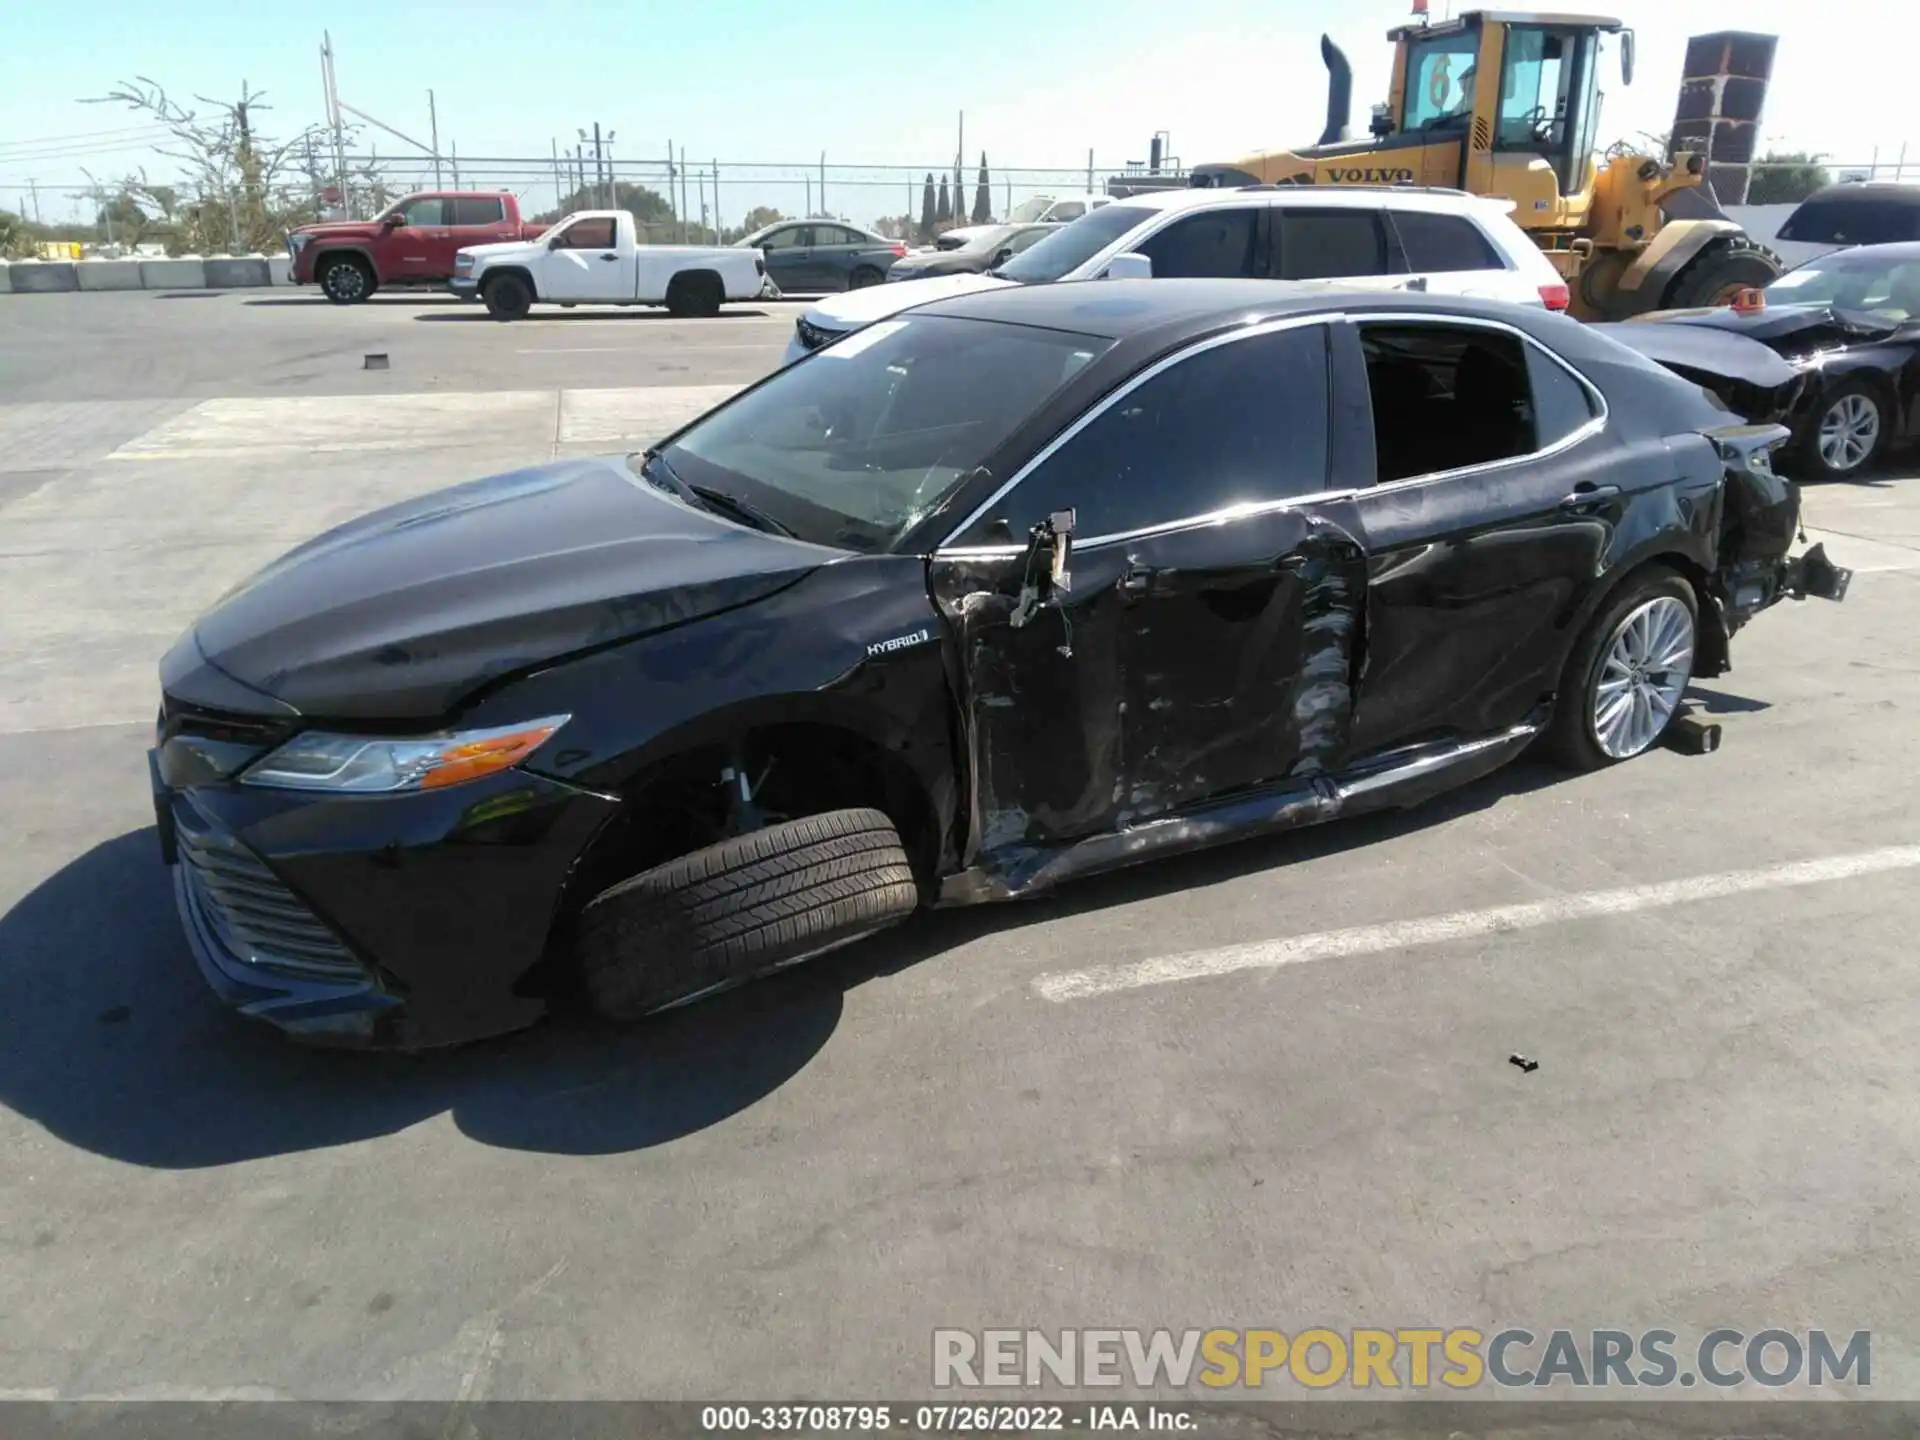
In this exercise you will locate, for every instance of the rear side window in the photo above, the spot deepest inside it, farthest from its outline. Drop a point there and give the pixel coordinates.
(478, 210)
(1868, 218)
(1446, 397)
(1327, 244)
(1561, 404)
(1436, 244)
(1213, 245)
(833, 235)
(1244, 421)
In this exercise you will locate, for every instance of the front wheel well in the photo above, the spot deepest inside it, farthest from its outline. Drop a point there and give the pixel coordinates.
(684, 802)
(517, 272)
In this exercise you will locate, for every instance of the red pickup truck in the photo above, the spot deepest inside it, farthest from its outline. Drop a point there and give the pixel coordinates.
(412, 242)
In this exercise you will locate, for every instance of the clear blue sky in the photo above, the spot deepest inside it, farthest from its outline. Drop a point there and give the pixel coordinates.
(869, 83)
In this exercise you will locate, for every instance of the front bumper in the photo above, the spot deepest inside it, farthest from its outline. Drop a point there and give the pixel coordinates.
(465, 285)
(398, 922)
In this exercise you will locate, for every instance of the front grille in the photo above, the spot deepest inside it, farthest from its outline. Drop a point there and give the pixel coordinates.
(812, 336)
(250, 915)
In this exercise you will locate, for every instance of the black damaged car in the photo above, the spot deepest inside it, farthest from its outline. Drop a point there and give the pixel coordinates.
(1847, 325)
(1013, 588)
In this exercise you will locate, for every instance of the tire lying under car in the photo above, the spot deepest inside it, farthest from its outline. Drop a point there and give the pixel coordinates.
(741, 908)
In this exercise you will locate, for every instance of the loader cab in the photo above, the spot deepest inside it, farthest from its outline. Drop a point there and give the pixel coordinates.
(1507, 84)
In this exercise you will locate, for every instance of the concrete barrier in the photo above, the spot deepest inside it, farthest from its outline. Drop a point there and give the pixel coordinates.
(6, 277)
(279, 269)
(181, 272)
(108, 274)
(233, 272)
(44, 277)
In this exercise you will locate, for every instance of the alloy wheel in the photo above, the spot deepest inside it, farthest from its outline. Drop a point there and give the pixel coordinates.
(346, 282)
(1848, 432)
(1644, 672)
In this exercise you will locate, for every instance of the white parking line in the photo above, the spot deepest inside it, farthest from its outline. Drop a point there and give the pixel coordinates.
(1462, 925)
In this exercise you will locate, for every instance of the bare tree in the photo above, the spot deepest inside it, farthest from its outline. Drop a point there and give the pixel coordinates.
(245, 188)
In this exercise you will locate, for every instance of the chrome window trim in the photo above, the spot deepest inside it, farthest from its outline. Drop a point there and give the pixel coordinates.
(1577, 436)
(1159, 367)
(1595, 398)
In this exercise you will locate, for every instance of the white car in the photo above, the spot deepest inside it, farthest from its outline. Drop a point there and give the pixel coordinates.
(593, 257)
(1053, 210)
(1445, 242)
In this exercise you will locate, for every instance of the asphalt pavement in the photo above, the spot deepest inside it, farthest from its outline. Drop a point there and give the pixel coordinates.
(1268, 1086)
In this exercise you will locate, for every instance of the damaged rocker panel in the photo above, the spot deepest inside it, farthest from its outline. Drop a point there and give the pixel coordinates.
(1398, 778)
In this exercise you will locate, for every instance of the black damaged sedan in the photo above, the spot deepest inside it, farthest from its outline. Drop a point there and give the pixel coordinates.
(1012, 588)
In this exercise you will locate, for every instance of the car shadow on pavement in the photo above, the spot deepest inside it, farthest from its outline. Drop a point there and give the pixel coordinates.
(1720, 702)
(111, 1043)
(402, 297)
(613, 312)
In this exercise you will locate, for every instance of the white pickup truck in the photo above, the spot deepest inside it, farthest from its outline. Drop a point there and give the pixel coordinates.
(593, 257)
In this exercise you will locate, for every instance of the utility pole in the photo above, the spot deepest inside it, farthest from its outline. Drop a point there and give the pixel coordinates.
(453, 158)
(599, 163)
(823, 182)
(580, 172)
(613, 185)
(433, 134)
(959, 163)
(559, 189)
(808, 214)
(33, 190)
(683, 194)
(1089, 171)
(670, 174)
(716, 198)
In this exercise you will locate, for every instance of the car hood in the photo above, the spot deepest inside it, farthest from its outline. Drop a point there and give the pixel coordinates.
(1784, 327)
(946, 262)
(402, 614)
(853, 308)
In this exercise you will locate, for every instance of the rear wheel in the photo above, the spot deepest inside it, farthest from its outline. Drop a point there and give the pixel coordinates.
(1627, 674)
(1720, 273)
(1846, 433)
(863, 276)
(508, 297)
(694, 296)
(723, 915)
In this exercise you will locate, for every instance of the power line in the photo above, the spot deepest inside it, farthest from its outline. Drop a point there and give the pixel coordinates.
(43, 140)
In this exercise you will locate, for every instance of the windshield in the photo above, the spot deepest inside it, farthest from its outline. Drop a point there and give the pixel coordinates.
(1854, 280)
(988, 240)
(1071, 246)
(855, 445)
(1029, 209)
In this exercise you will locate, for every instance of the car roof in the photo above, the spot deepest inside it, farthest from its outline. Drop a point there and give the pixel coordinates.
(1122, 309)
(1894, 251)
(1336, 197)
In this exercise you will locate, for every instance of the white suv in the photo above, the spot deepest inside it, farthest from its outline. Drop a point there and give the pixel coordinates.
(1442, 241)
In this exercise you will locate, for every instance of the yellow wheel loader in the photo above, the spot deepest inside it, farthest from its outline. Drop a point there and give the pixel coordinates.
(1506, 104)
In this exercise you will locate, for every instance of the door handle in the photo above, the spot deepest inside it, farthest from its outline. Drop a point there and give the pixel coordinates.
(1586, 493)
(609, 257)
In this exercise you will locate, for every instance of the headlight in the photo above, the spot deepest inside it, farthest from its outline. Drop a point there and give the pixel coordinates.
(462, 261)
(297, 243)
(366, 765)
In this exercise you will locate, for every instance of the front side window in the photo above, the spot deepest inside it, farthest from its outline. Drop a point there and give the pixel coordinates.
(1533, 96)
(478, 210)
(1239, 423)
(855, 445)
(1215, 244)
(1440, 80)
(1328, 244)
(426, 212)
(1446, 397)
(594, 234)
